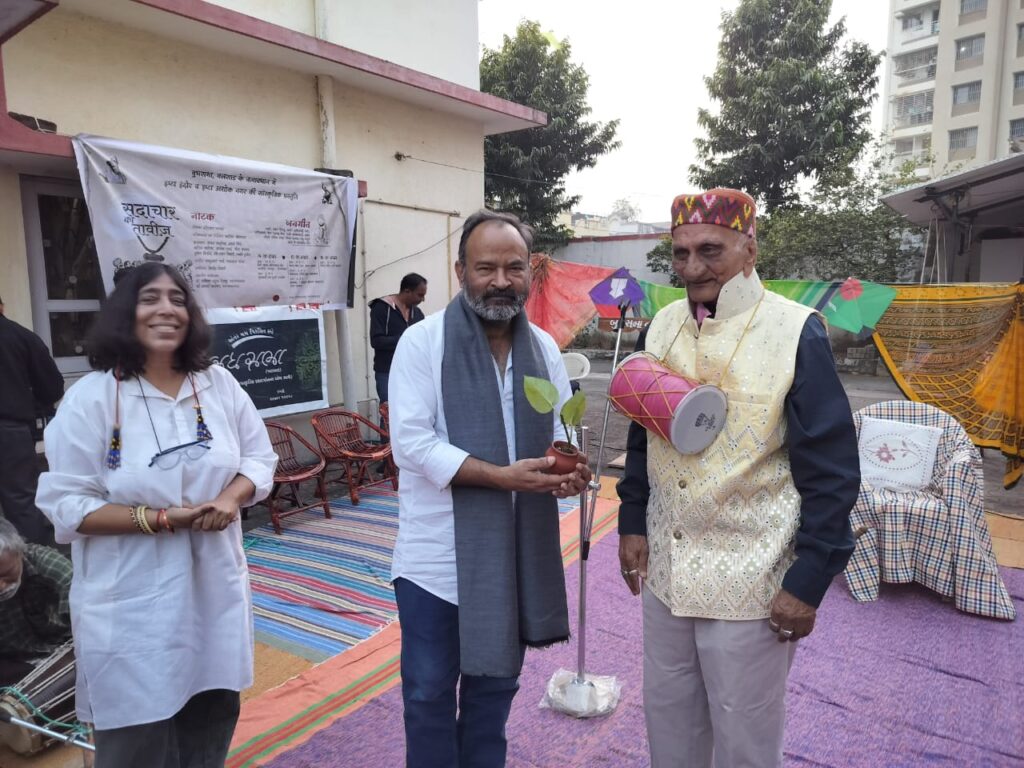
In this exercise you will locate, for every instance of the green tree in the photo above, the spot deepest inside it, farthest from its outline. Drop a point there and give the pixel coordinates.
(794, 102)
(525, 171)
(844, 232)
(659, 259)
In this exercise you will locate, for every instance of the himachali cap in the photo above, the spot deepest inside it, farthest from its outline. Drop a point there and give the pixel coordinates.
(728, 208)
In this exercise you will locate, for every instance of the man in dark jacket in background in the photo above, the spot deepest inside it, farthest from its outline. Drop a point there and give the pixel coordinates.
(30, 382)
(389, 317)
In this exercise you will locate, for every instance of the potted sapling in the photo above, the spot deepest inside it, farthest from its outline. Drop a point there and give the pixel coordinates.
(543, 396)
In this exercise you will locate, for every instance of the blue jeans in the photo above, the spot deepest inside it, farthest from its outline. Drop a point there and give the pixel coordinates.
(382, 385)
(435, 736)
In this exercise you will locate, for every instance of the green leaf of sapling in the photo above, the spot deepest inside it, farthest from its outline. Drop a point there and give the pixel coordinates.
(540, 393)
(574, 408)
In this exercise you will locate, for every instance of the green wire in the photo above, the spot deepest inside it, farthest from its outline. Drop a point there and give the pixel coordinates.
(74, 729)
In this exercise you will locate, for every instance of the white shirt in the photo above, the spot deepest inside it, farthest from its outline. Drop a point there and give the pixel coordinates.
(156, 619)
(425, 547)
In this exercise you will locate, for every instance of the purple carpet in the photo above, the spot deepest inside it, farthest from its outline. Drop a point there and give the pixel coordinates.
(905, 681)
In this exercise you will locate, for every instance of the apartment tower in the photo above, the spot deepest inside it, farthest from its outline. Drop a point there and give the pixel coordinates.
(954, 83)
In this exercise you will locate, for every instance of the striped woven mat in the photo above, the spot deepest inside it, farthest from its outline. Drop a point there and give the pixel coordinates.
(324, 585)
(286, 716)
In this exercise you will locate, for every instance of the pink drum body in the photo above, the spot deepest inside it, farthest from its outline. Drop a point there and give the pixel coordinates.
(682, 411)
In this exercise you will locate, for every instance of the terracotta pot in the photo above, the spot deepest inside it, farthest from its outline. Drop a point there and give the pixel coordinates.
(567, 456)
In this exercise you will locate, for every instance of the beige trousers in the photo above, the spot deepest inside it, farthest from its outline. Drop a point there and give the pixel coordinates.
(713, 688)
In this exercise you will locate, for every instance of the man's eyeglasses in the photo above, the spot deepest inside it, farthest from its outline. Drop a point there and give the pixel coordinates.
(172, 457)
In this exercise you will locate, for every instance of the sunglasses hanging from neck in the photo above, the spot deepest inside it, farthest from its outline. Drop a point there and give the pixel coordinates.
(114, 451)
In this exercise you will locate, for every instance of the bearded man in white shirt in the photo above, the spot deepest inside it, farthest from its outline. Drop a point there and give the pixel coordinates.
(477, 567)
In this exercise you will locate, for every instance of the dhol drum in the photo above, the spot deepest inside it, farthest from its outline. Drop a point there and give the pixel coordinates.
(50, 689)
(683, 411)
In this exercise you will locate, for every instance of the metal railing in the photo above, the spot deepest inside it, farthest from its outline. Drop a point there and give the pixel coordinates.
(917, 74)
(927, 29)
(917, 156)
(917, 118)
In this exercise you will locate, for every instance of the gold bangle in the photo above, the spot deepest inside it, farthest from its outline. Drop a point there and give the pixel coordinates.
(143, 509)
(133, 513)
(145, 520)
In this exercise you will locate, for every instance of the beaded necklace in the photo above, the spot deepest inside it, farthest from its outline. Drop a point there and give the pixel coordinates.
(114, 451)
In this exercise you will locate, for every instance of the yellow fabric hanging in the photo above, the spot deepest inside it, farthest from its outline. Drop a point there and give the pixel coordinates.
(961, 349)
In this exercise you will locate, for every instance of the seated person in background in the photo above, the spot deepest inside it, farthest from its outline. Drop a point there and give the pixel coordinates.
(34, 615)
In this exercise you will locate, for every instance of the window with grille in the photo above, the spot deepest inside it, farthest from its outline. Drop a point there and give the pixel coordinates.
(1018, 81)
(915, 109)
(970, 6)
(963, 138)
(903, 146)
(970, 47)
(968, 93)
(912, 22)
(1017, 129)
(919, 65)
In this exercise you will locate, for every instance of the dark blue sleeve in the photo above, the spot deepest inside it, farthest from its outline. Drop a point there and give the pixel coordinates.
(381, 337)
(634, 488)
(822, 444)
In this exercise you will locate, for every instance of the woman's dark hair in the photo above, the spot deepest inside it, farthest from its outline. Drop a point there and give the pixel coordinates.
(411, 282)
(112, 343)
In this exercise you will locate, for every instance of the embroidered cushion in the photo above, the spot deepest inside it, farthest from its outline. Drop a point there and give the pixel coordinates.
(897, 455)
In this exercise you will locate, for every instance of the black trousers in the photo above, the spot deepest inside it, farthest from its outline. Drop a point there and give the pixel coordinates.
(198, 736)
(18, 476)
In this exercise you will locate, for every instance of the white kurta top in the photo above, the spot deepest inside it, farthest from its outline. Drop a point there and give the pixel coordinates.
(156, 619)
(425, 547)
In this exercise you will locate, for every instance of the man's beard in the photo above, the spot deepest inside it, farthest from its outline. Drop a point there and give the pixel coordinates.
(496, 313)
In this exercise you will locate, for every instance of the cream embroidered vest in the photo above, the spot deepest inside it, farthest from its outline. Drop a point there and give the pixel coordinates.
(721, 523)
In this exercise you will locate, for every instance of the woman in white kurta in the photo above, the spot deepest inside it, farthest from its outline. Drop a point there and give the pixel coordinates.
(160, 602)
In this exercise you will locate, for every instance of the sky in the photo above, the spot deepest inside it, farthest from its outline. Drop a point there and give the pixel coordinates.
(647, 68)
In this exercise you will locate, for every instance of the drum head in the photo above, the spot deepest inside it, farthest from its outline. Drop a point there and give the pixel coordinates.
(699, 419)
(20, 740)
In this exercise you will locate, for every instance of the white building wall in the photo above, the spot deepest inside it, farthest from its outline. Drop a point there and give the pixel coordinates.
(299, 15)
(615, 253)
(437, 37)
(94, 77)
(89, 76)
(1002, 261)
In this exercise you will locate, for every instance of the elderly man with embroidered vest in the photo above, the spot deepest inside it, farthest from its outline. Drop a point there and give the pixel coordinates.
(477, 566)
(733, 548)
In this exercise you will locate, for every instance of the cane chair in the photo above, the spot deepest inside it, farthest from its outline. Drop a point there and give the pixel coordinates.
(293, 470)
(937, 536)
(340, 435)
(385, 421)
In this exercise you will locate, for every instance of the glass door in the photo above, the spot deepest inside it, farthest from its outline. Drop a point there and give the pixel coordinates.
(64, 273)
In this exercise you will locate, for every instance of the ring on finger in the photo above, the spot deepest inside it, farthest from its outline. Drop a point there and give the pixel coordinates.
(786, 633)
(774, 627)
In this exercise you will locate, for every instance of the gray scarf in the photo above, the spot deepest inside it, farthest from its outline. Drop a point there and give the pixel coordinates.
(508, 556)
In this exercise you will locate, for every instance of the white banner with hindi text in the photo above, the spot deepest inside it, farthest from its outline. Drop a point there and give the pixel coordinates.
(243, 233)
